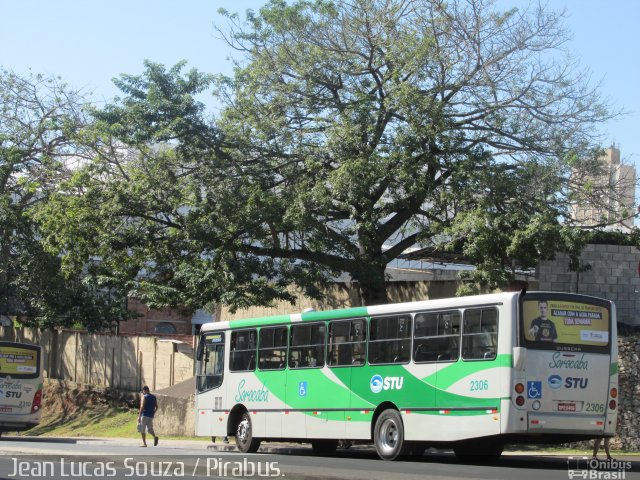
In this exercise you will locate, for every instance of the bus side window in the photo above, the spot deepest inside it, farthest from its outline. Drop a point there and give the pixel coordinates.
(436, 336)
(307, 345)
(347, 342)
(243, 351)
(272, 351)
(480, 334)
(390, 339)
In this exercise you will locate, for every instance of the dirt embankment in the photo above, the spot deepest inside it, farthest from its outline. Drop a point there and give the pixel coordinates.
(62, 397)
(71, 409)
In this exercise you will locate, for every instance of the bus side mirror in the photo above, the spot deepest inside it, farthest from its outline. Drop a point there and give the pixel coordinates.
(519, 358)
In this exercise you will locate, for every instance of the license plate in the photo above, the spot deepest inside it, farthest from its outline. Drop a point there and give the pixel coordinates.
(566, 407)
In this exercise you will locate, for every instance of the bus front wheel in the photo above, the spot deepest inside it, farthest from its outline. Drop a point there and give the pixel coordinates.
(388, 435)
(244, 436)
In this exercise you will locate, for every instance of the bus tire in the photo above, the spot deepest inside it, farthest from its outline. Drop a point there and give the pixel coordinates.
(388, 435)
(244, 435)
(324, 447)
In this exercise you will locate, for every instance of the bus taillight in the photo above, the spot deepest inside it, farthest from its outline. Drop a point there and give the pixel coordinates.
(519, 388)
(614, 392)
(520, 400)
(612, 405)
(37, 400)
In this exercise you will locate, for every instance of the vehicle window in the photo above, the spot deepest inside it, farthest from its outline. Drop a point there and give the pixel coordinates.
(272, 354)
(210, 358)
(436, 336)
(347, 342)
(243, 350)
(307, 345)
(390, 339)
(480, 334)
(165, 327)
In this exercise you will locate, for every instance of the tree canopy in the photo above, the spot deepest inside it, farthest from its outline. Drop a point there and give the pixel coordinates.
(349, 132)
(38, 115)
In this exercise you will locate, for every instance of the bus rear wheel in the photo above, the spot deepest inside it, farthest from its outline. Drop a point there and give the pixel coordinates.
(244, 436)
(388, 435)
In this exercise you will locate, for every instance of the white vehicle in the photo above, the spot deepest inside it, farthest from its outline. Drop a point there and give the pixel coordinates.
(20, 386)
(470, 373)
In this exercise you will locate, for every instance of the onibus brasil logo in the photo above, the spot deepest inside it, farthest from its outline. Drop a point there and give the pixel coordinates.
(378, 383)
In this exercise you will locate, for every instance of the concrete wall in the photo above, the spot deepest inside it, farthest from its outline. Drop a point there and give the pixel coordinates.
(123, 362)
(614, 274)
(344, 295)
(176, 416)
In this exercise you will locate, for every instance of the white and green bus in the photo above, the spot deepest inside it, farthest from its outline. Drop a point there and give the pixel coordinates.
(469, 373)
(20, 386)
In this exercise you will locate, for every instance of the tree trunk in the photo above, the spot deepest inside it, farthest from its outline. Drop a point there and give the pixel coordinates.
(373, 287)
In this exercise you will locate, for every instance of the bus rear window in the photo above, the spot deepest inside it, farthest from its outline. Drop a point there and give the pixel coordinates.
(565, 322)
(19, 361)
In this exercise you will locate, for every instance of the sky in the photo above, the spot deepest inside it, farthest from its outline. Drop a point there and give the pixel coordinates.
(89, 42)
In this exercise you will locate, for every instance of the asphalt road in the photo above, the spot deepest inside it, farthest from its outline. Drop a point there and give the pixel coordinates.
(119, 459)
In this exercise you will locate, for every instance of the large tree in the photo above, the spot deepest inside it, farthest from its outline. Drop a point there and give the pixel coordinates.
(38, 116)
(349, 132)
(364, 124)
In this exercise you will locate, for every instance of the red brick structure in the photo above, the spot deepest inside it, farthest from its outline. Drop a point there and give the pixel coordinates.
(168, 321)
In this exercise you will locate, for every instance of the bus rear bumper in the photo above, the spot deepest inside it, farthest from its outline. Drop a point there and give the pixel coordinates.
(566, 423)
(16, 426)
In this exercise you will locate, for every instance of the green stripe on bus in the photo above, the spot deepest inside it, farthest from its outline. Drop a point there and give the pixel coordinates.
(614, 369)
(335, 314)
(457, 371)
(259, 321)
(322, 391)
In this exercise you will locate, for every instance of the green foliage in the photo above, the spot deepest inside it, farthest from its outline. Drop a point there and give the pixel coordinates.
(38, 116)
(349, 132)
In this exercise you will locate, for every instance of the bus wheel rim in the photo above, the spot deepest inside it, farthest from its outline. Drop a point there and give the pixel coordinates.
(388, 435)
(243, 431)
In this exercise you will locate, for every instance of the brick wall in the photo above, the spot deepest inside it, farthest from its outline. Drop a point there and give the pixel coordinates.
(149, 319)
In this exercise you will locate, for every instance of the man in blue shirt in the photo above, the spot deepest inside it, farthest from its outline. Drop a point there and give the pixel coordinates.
(148, 408)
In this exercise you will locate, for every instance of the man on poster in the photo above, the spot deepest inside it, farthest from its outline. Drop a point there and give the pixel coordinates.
(542, 328)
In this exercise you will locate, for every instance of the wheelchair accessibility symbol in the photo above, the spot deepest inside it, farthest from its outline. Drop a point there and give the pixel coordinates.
(302, 389)
(534, 389)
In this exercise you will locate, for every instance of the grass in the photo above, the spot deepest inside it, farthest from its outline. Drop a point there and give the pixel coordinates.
(101, 421)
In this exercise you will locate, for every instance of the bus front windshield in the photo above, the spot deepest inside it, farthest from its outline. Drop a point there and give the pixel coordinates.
(565, 322)
(210, 356)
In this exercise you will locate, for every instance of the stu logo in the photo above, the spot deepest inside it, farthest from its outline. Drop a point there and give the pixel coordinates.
(576, 382)
(378, 383)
